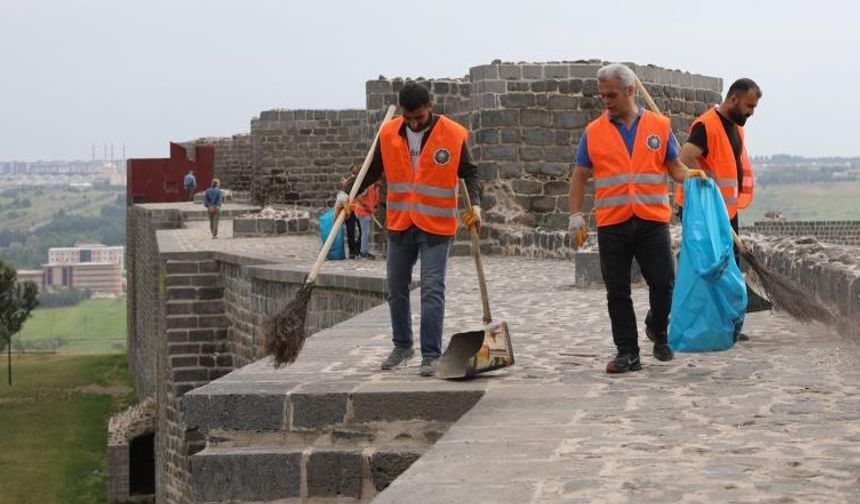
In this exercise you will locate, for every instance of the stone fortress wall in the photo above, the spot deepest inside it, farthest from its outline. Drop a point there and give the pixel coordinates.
(194, 317)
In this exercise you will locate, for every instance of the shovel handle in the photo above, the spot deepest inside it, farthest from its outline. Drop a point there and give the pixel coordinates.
(476, 253)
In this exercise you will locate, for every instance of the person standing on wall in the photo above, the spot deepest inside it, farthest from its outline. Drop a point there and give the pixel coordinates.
(422, 155)
(717, 145)
(630, 152)
(213, 198)
(364, 207)
(353, 226)
(190, 183)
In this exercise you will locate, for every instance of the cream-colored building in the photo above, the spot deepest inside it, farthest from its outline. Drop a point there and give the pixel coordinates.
(35, 276)
(87, 252)
(90, 266)
(100, 278)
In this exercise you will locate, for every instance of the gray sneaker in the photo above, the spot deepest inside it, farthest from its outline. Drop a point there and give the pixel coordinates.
(427, 368)
(397, 357)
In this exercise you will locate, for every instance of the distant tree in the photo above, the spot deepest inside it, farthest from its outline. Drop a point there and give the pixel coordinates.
(16, 303)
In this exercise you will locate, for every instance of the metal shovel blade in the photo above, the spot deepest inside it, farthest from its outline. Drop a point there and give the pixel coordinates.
(474, 352)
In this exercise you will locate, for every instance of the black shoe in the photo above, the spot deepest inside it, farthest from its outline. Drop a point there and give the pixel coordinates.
(368, 255)
(742, 337)
(662, 352)
(624, 362)
(353, 255)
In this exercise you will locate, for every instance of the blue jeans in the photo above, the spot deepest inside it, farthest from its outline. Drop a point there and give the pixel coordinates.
(403, 251)
(364, 225)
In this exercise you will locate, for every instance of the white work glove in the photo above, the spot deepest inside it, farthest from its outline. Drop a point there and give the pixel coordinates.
(472, 217)
(578, 230)
(341, 202)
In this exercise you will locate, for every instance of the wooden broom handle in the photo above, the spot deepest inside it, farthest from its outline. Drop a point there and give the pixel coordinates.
(476, 253)
(312, 276)
(653, 106)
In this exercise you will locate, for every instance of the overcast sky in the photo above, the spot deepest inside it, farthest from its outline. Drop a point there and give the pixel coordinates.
(74, 73)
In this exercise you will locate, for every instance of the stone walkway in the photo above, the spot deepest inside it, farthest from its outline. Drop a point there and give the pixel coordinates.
(775, 419)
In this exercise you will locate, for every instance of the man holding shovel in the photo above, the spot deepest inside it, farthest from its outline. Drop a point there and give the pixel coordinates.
(421, 155)
(630, 152)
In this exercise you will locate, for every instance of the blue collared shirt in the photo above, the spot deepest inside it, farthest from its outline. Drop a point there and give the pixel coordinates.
(629, 136)
(213, 197)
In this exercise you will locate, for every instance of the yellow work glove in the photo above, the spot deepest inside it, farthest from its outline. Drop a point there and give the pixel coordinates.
(472, 217)
(342, 202)
(578, 230)
(697, 173)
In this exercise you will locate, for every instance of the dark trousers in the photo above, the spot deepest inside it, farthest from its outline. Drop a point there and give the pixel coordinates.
(353, 232)
(650, 243)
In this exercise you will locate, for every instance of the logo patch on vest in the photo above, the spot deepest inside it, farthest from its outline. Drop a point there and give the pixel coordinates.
(441, 156)
(653, 142)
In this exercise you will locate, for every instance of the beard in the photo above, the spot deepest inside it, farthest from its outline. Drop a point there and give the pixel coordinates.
(737, 117)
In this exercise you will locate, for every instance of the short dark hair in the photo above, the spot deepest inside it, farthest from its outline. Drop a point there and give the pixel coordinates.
(413, 96)
(741, 86)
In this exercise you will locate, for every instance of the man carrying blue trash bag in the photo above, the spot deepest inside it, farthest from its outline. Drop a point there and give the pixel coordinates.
(710, 296)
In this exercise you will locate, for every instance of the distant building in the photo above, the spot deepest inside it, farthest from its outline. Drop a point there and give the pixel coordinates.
(87, 252)
(100, 278)
(35, 276)
(90, 266)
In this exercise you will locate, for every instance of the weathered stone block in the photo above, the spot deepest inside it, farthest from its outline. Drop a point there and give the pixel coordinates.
(532, 117)
(563, 102)
(334, 473)
(524, 186)
(387, 465)
(317, 411)
(227, 477)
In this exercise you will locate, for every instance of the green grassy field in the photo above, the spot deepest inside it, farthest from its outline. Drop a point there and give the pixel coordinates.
(54, 435)
(819, 201)
(93, 326)
(45, 201)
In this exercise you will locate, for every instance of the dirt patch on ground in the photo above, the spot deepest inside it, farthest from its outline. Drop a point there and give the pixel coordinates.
(113, 390)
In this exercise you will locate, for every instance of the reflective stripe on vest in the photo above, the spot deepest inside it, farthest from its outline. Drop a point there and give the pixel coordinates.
(630, 184)
(426, 195)
(722, 165)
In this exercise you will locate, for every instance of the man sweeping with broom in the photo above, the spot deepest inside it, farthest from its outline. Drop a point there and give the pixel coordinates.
(421, 155)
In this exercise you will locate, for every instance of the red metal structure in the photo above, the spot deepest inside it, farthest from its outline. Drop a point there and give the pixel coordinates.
(159, 180)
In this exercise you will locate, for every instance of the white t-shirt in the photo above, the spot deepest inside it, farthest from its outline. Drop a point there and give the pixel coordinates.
(414, 139)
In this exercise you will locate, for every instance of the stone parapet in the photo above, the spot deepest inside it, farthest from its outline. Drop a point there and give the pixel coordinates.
(846, 232)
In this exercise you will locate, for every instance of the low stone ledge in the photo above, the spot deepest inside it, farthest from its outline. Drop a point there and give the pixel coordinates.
(587, 270)
(270, 222)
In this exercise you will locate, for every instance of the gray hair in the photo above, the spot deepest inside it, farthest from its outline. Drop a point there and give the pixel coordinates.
(618, 71)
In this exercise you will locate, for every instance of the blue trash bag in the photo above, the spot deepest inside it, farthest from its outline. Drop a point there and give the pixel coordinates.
(336, 252)
(710, 296)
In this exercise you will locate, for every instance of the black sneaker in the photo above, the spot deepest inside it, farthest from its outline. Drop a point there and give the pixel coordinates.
(742, 337)
(662, 352)
(368, 255)
(624, 362)
(397, 357)
(650, 333)
(353, 255)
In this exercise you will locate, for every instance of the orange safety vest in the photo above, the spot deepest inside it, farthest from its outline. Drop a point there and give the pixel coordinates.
(365, 204)
(425, 196)
(721, 164)
(626, 185)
